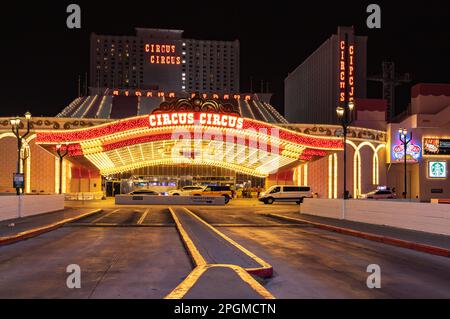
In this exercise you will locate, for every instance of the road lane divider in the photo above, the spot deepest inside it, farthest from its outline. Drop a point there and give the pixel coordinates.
(429, 249)
(43, 229)
(193, 252)
(201, 266)
(186, 285)
(266, 270)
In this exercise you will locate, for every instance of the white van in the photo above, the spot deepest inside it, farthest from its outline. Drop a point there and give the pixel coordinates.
(278, 193)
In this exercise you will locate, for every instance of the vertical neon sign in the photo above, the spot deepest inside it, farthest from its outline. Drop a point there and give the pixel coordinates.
(342, 72)
(346, 65)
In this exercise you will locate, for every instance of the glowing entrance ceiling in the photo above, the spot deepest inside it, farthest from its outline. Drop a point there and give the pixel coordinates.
(240, 158)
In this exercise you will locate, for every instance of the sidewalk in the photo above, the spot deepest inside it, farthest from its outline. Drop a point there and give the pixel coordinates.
(407, 235)
(16, 226)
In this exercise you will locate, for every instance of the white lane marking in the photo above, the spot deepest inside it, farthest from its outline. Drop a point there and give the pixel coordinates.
(141, 220)
(104, 216)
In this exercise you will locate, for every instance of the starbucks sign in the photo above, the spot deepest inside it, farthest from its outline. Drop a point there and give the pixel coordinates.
(437, 169)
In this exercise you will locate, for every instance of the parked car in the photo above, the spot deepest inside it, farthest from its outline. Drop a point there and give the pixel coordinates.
(144, 192)
(279, 193)
(380, 194)
(185, 191)
(224, 191)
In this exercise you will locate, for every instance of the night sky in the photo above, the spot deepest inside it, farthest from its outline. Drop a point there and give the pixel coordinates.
(42, 58)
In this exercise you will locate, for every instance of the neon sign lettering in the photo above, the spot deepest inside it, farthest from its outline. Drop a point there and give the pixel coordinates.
(351, 72)
(191, 118)
(162, 54)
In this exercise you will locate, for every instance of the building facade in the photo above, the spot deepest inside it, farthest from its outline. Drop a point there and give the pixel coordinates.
(159, 59)
(236, 140)
(428, 153)
(336, 71)
(113, 154)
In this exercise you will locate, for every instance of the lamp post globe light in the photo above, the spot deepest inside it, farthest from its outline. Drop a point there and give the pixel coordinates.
(61, 155)
(16, 127)
(344, 114)
(405, 139)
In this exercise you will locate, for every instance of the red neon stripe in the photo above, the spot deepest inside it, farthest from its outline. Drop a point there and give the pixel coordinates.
(143, 122)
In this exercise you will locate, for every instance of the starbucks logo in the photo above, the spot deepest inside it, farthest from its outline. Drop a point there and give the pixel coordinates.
(437, 169)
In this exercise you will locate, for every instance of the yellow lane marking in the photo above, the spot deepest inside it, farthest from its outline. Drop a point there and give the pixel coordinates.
(264, 264)
(104, 216)
(141, 220)
(183, 288)
(245, 276)
(193, 251)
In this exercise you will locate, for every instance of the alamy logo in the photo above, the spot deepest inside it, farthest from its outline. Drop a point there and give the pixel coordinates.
(374, 279)
(74, 19)
(74, 279)
(374, 19)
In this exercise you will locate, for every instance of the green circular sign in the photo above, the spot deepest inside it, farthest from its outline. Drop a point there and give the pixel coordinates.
(437, 169)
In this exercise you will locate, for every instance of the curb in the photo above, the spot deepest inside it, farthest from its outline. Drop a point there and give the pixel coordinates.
(429, 249)
(40, 230)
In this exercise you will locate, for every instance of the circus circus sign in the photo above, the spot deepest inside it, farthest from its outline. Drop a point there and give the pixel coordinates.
(196, 118)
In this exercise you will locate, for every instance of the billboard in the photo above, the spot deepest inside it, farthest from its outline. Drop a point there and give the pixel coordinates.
(413, 151)
(436, 146)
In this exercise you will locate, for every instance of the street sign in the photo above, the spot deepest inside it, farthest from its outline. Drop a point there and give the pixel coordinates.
(18, 180)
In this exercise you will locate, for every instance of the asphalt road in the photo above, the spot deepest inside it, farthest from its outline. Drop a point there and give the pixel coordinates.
(118, 259)
(116, 262)
(314, 263)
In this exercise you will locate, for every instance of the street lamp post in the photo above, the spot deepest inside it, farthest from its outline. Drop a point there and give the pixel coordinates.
(15, 127)
(61, 157)
(344, 113)
(405, 139)
(25, 154)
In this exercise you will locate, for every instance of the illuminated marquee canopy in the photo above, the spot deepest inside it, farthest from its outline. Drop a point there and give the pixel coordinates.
(190, 131)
